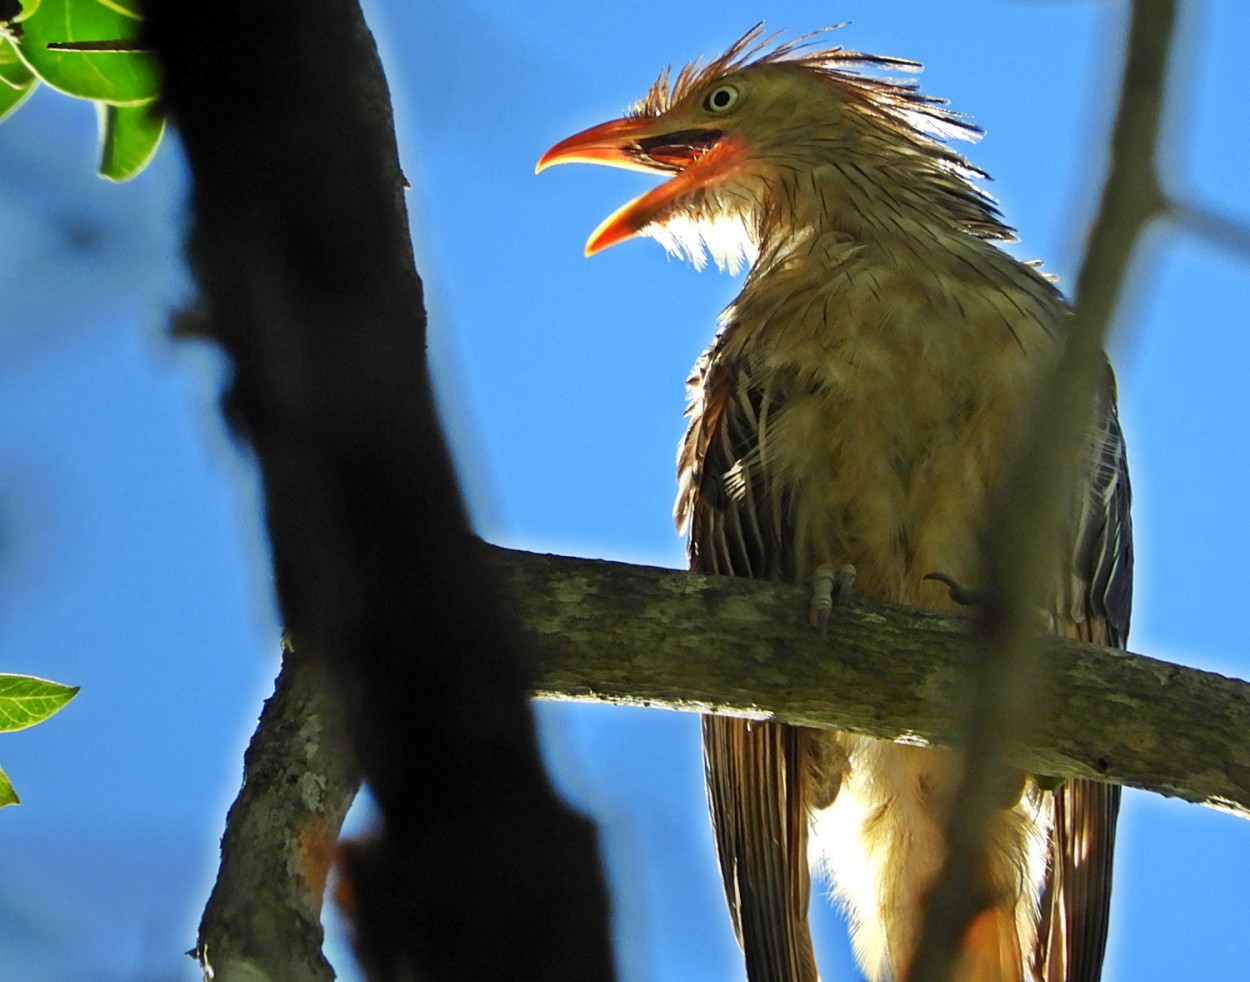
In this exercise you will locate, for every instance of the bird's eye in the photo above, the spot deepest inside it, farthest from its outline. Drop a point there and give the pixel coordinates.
(721, 99)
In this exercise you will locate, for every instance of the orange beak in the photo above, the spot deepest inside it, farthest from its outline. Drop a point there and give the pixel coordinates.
(696, 157)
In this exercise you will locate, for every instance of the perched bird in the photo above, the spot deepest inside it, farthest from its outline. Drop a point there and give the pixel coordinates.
(856, 410)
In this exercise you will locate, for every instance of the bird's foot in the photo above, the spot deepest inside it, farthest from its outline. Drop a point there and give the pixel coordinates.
(966, 596)
(830, 586)
(963, 595)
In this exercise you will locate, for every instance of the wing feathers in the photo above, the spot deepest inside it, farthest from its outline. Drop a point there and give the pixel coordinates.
(1077, 898)
(756, 772)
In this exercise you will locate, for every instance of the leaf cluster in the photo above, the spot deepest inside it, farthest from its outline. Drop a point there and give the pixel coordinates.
(86, 49)
(25, 701)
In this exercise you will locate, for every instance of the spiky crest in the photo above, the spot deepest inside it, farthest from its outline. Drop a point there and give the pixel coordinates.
(893, 96)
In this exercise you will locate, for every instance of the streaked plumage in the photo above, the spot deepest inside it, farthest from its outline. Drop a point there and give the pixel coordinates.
(857, 406)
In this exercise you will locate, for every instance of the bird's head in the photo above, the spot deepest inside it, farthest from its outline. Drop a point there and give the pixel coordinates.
(740, 134)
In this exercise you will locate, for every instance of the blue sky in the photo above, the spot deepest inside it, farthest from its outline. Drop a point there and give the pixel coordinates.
(132, 561)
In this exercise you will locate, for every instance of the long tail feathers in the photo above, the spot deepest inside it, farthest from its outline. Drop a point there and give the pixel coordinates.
(1077, 901)
(755, 777)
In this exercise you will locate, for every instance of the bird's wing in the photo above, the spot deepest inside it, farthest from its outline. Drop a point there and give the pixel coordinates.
(740, 524)
(1077, 897)
(740, 521)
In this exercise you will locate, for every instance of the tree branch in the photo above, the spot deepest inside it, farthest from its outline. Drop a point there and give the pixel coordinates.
(640, 636)
(634, 635)
(263, 919)
(1220, 230)
(1025, 522)
(302, 253)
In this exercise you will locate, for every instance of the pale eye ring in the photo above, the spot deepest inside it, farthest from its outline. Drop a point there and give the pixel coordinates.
(721, 99)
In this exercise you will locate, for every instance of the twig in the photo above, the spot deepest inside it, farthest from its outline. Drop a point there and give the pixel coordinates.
(1217, 229)
(1026, 522)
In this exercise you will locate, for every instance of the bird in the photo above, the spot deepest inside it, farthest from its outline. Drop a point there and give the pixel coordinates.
(849, 426)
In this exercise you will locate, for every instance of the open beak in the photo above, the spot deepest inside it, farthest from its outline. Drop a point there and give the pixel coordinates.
(695, 157)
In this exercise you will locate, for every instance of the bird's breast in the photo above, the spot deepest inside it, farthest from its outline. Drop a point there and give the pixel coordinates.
(896, 392)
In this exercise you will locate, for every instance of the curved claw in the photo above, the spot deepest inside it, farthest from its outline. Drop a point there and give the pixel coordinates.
(963, 595)
(968, 597)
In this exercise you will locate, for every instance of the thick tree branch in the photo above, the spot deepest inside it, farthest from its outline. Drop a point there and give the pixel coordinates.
(301, 250)
(608, 632)
(633, 635)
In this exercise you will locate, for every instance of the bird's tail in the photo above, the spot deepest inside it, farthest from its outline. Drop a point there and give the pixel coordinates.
(990, 951)
(755, 784)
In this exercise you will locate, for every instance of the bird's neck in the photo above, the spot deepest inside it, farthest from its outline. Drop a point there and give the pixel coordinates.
(881, 253)
(892, 201)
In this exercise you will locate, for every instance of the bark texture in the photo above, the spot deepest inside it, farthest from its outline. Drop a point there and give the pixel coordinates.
(264, 915)
(607, 632)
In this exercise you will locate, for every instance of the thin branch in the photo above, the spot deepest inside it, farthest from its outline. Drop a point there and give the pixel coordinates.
(1027, 519)
(263, 919)
(1217, 229)
(640, 636)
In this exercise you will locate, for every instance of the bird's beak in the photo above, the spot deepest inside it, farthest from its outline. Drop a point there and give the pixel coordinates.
(693, 156)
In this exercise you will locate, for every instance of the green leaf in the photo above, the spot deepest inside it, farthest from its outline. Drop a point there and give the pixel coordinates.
(28, 9)
(127, 8)
(129, 136)
(123, 78)
(16, 80)
(10, 98)
(26, 700)
(13, 73)
(7, 795)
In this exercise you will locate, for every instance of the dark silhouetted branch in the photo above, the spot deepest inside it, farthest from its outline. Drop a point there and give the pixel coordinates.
(301, 250)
